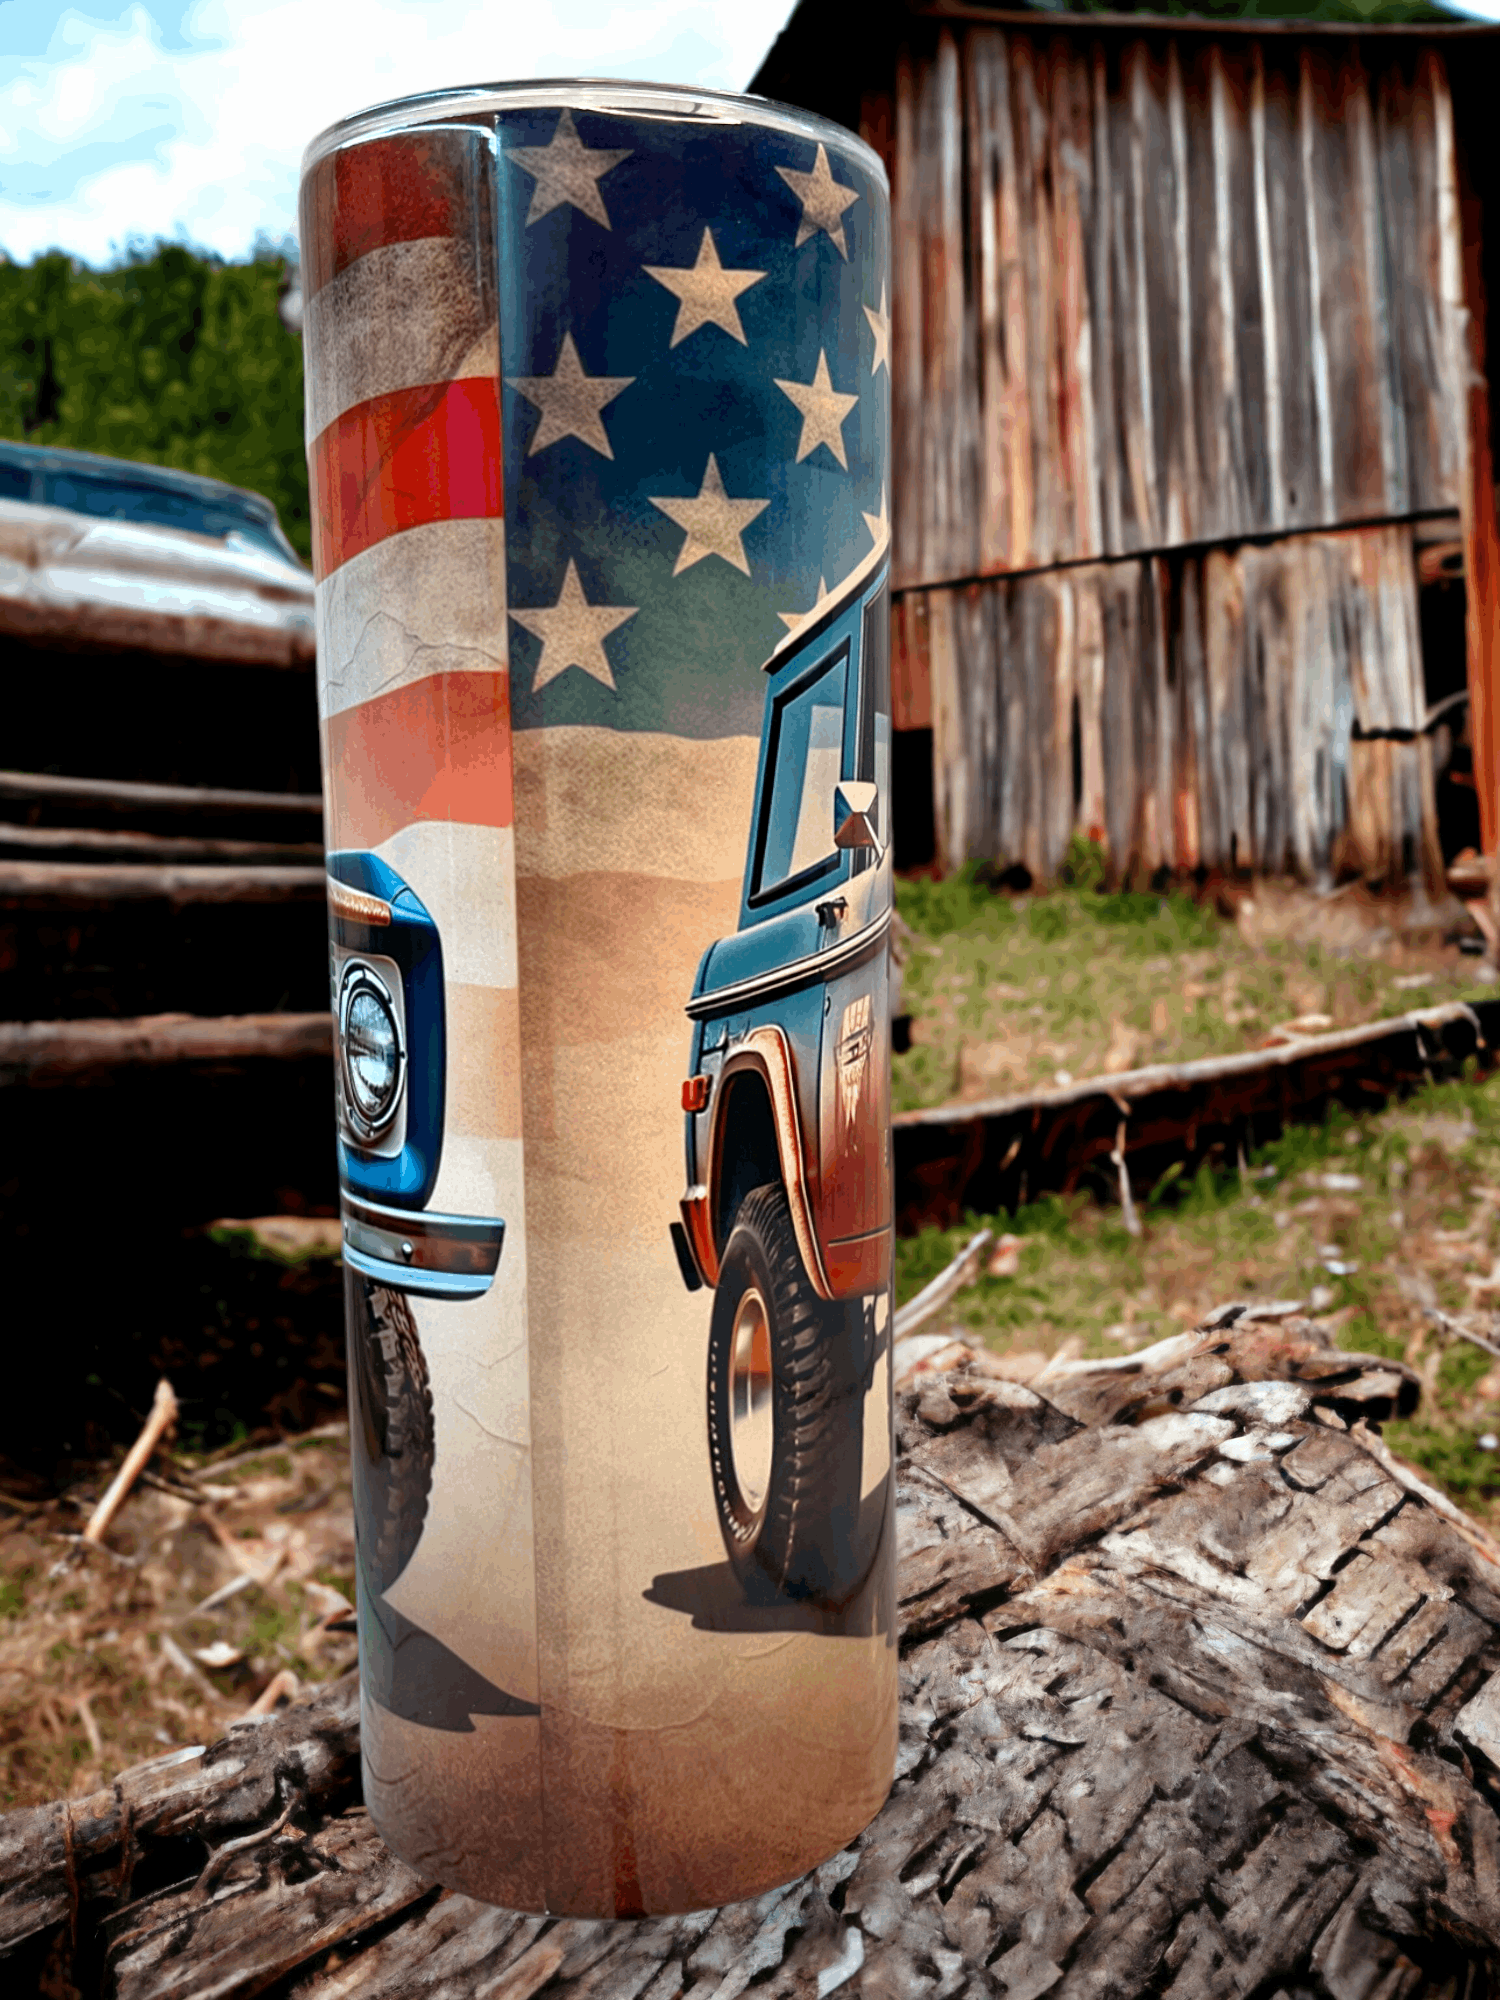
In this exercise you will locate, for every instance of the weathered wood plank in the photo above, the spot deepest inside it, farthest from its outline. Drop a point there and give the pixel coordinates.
(1162, 290)
(1217, 697)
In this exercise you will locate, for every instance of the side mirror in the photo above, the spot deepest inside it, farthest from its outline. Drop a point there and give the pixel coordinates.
(854, 815)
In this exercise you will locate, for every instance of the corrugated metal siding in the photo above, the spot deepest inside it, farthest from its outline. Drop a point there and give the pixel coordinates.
(1189, 710)
(1161, 290)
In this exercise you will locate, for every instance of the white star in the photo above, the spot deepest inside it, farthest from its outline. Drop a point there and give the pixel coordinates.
(567, 170)
(823, 202)
(570, 401)
(880, 326)
(792, 619)
(824, 412)
(573, 631)
(707, 292)
(879, 524)
(713, 522)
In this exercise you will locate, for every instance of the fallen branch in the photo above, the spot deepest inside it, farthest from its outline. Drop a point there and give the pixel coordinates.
(951, 1279)
(187, 1668)
(163, 1416)
(217, 1462)
(1451, 1325)
(283, 1684)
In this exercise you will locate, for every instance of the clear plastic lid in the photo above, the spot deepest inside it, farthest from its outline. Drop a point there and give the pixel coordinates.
(478, 103)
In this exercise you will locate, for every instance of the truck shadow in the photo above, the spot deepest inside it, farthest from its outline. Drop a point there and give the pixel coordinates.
(716, 1599)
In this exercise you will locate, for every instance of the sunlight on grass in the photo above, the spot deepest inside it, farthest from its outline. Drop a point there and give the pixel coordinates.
(1419, 1228)
(1011, 993)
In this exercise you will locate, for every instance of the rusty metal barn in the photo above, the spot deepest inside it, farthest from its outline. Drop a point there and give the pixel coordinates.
(1194, 508)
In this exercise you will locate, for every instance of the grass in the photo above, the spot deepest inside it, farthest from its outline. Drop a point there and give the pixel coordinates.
(1419, 1228)
(1006, 991)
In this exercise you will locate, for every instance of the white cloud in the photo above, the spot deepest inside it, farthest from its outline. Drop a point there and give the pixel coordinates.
(124, 129)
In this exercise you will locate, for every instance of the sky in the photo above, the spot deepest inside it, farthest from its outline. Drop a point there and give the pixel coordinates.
(186, 119)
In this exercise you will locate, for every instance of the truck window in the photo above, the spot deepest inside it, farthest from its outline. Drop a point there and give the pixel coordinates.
(804, 762)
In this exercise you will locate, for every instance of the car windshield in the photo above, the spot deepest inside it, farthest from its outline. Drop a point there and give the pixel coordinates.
(804, 760)
(115, 491)
(118, 497)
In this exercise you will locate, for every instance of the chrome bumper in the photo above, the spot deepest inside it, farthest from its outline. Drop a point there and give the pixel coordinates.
(434, 1256)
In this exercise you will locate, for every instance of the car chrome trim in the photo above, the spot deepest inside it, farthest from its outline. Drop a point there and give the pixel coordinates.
(767, 1051)
(435, 1256)
(816, 966)
(355, 906)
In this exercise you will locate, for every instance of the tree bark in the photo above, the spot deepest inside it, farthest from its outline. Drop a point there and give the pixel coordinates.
(1197, 1701)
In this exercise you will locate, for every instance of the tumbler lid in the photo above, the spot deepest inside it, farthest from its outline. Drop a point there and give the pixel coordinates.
(475, 103)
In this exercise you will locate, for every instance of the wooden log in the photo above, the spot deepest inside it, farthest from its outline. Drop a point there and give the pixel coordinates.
(951, 1158)
(1200, 1696)
(76, 885)
(40, 1052)
(57, 843)
(116, 796)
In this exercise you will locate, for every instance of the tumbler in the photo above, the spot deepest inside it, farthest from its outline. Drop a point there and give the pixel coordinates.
(598, 416)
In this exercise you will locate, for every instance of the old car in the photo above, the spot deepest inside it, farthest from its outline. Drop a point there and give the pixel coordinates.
(108, 552)
(787, 1214)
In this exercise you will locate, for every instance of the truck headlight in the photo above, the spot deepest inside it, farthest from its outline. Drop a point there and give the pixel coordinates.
(370, 1050)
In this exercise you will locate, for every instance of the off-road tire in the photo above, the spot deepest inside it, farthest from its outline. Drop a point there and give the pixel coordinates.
(390, 1427)
(803, 1542)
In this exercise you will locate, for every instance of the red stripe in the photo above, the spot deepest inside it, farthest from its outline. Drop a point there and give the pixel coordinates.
(438, 749)
(394, 190)
(400, 461)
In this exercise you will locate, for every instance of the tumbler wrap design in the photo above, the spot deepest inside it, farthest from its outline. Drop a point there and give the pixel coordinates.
(598, 388)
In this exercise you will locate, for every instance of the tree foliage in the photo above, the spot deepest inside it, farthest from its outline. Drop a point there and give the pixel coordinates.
(169, 357)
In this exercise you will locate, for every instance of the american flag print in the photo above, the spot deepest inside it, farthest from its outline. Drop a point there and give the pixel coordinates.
(598, 412)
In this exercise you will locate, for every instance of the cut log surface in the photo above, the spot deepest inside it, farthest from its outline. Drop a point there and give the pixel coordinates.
(1199, 1699)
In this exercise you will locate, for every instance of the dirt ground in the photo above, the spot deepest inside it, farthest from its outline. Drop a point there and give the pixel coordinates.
(219, 1582)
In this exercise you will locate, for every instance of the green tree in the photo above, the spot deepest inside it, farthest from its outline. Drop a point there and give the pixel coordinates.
(168, 357)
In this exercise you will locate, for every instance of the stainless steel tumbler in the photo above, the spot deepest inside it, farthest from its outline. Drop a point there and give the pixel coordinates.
(598, 412)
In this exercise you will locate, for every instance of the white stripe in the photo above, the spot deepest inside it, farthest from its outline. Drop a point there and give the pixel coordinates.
(626, 801)
(400, 317)
(466, 877)
(429, 601)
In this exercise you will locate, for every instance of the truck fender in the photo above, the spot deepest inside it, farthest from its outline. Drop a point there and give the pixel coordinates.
(767, 1051)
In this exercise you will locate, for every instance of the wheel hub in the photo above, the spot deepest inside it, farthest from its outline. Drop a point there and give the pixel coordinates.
(750, 1439)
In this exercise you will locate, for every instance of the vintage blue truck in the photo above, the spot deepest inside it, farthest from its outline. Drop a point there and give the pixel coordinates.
(787, 1213)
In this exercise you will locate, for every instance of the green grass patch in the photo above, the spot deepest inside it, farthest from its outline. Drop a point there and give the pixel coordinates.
(1420, 1227)
(1010, 993)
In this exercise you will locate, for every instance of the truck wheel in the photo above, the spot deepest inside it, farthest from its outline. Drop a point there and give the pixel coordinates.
(785, 1414)
(390, 1427)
